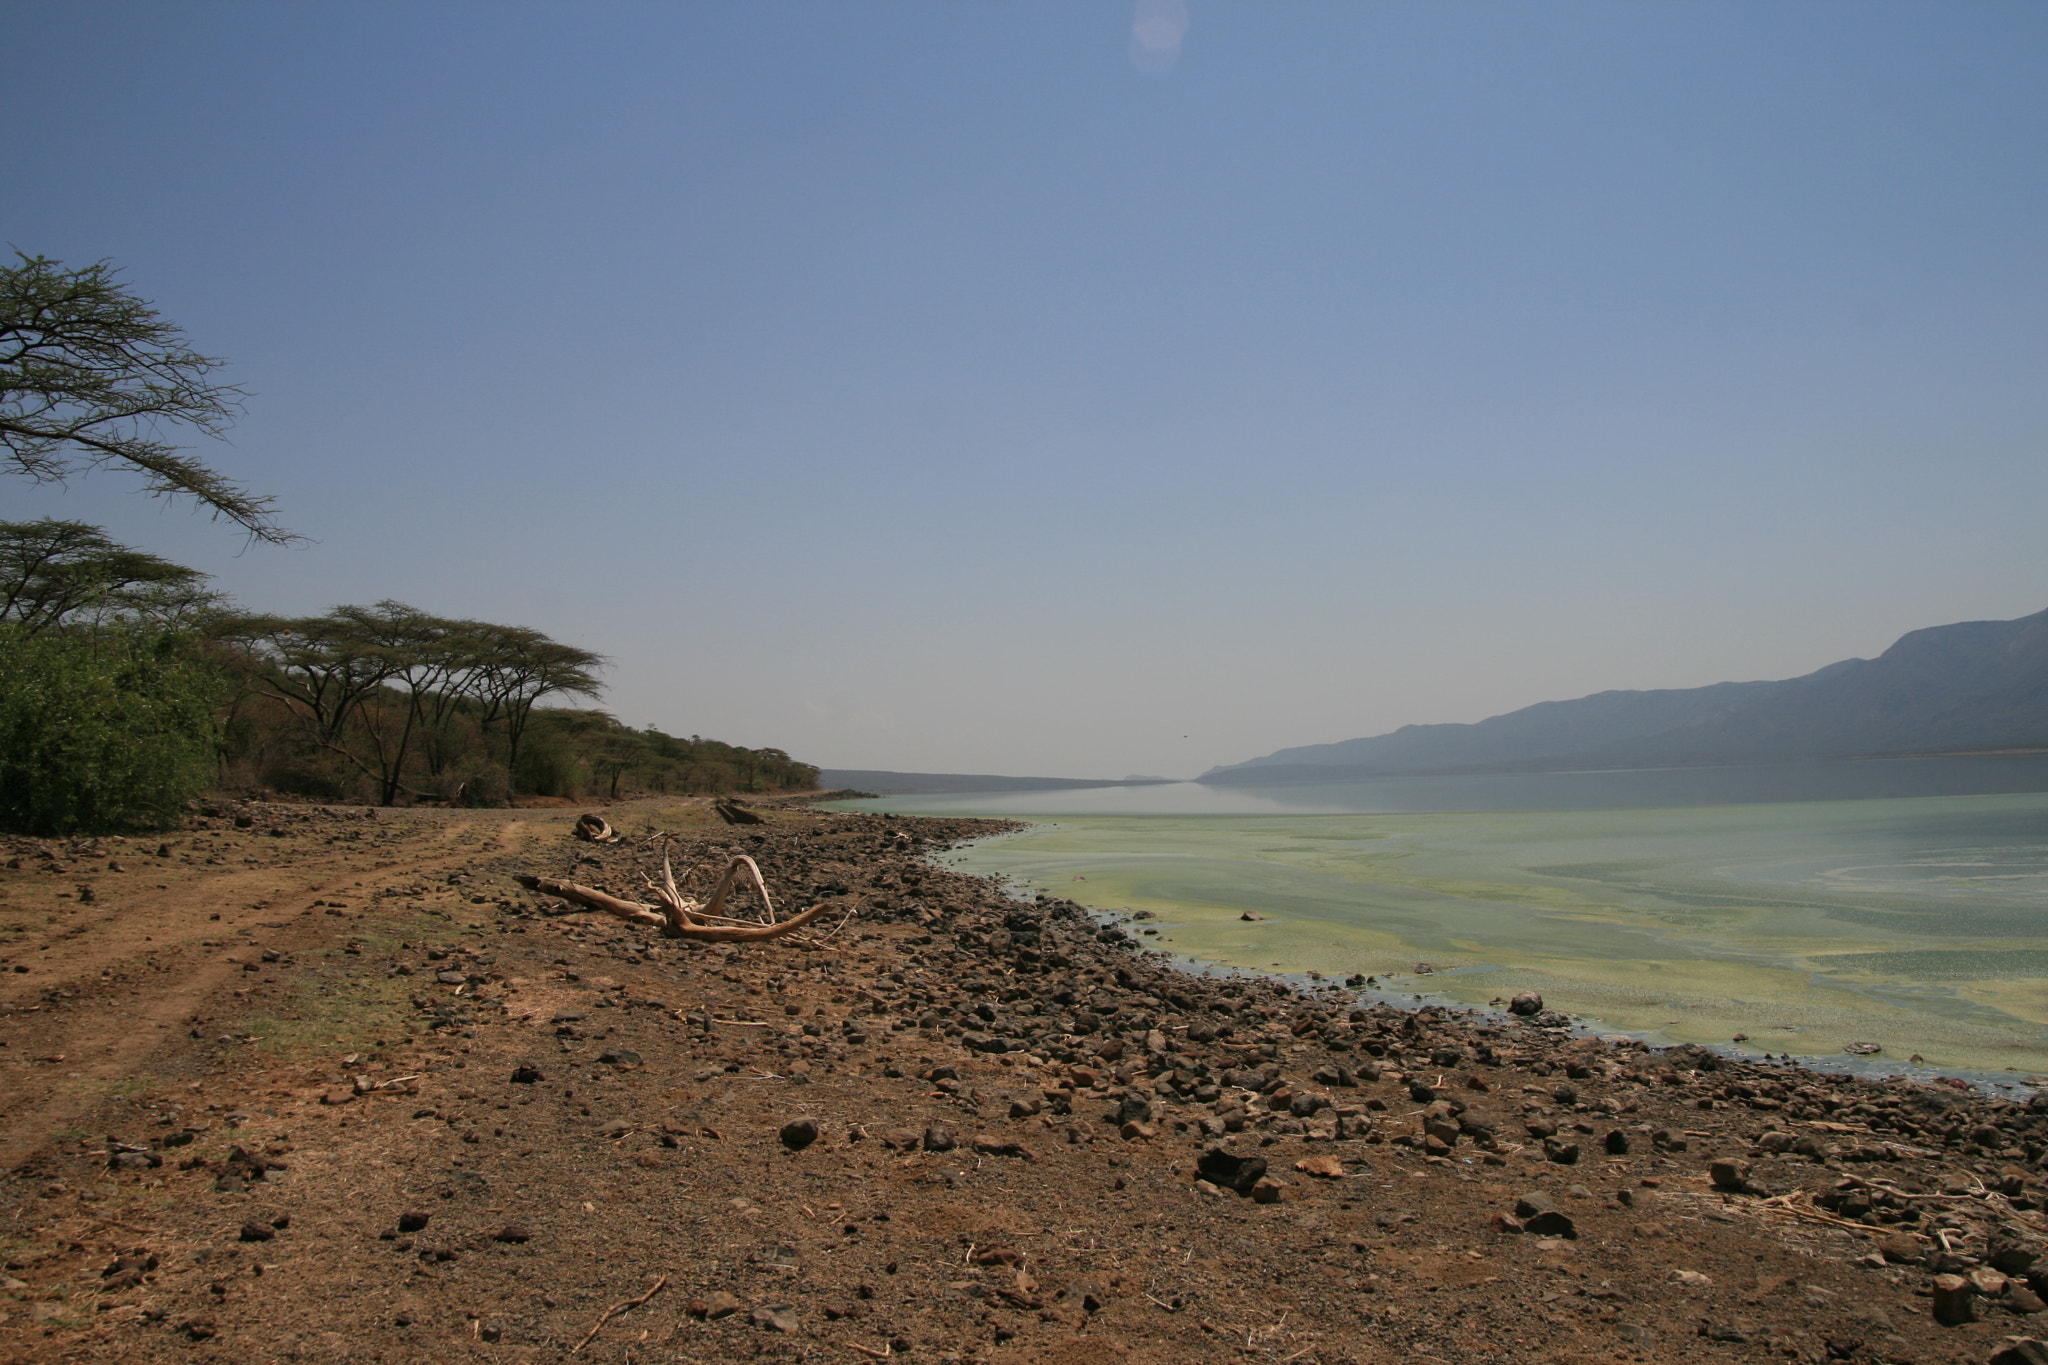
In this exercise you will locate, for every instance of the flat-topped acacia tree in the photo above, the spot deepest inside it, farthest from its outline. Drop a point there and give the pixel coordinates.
(378, 685)
(91, 376)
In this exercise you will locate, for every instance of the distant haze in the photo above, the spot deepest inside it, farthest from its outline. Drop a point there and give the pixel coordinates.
(1088, 388)
(1973, 686)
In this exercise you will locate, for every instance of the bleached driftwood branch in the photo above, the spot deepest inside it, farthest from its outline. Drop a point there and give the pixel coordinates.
(681, 916)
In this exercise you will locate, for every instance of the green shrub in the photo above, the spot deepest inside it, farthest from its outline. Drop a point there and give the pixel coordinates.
(548, 766)
(103, 731)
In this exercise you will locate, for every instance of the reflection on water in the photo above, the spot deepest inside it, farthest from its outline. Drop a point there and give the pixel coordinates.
(1918, 920)
(1732, 785)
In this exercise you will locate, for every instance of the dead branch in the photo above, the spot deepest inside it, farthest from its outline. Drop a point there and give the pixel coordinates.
(614, 1311)
(733, 813)
(678, 915)
(594, 829)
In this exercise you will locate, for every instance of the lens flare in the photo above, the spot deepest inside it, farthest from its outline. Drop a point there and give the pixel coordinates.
(1157, 28)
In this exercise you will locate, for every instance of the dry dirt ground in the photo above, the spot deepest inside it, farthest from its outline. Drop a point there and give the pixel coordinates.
(327, 1085)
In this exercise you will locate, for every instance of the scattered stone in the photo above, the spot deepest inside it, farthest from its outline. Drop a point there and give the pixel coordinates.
(1954, 1300)
(1323, 1167)
(2021, 1351)
(715, 1305)
(2010, 1255)
(938, 1139)
(995, 1146)
(1269, 1190)
(514, 1233)
(1902, 1248)
(257, 1232)
(777, 1319)
(1227, 1170)
(1526, 1004)
(798, 1134)
(412, 1222)
(1732, 1176)
(526, 1075)
(1691, 1279)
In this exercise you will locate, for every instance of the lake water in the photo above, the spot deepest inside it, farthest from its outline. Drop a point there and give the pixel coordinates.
(1902, 902)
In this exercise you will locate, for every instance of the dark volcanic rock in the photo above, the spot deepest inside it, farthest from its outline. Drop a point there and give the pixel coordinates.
(1222, 1167)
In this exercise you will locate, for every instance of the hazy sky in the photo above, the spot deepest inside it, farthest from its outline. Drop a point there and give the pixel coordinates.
(1082, 388)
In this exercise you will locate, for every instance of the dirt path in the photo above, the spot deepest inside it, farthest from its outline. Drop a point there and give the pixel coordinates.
(118, 987)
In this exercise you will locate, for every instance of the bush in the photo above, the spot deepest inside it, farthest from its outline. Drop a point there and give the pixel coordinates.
(102, 732)
(548, 766)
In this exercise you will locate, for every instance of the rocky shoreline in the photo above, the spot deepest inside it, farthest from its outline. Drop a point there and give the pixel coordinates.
(960, 1126)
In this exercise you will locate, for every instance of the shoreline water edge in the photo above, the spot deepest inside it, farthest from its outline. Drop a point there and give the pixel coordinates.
(1917, 924)
(946, 1124)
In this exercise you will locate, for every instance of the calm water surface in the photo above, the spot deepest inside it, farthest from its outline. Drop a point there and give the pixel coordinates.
(1807, 906)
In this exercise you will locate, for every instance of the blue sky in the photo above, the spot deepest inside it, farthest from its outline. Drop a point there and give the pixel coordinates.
(973, 387)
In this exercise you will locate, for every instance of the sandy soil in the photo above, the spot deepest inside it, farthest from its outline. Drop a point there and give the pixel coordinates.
(303, 1084)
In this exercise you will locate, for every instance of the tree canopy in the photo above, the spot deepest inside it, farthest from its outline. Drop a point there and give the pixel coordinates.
(388, 688)
(58, 573)
(92, 376)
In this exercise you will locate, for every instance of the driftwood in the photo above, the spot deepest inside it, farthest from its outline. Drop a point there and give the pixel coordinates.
(681, 916)
(733, 813)
(594, 829)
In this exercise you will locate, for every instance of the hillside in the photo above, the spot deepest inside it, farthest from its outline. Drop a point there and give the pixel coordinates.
(1972, 685)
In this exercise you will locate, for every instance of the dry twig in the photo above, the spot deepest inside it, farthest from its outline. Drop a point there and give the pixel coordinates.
(615, 1310)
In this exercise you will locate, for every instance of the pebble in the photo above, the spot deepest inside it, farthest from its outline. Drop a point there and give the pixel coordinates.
(717, 1304)
(779, 1319)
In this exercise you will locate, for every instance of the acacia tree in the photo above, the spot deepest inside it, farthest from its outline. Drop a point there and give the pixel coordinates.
(516, 667)
(91, 376)
(59, 573)
(376, 685)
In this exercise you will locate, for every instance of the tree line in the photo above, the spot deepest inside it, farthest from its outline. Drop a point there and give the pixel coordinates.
(128, 685)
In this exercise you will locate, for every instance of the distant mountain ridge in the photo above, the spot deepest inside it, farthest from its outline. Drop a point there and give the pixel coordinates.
(1969, 686)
